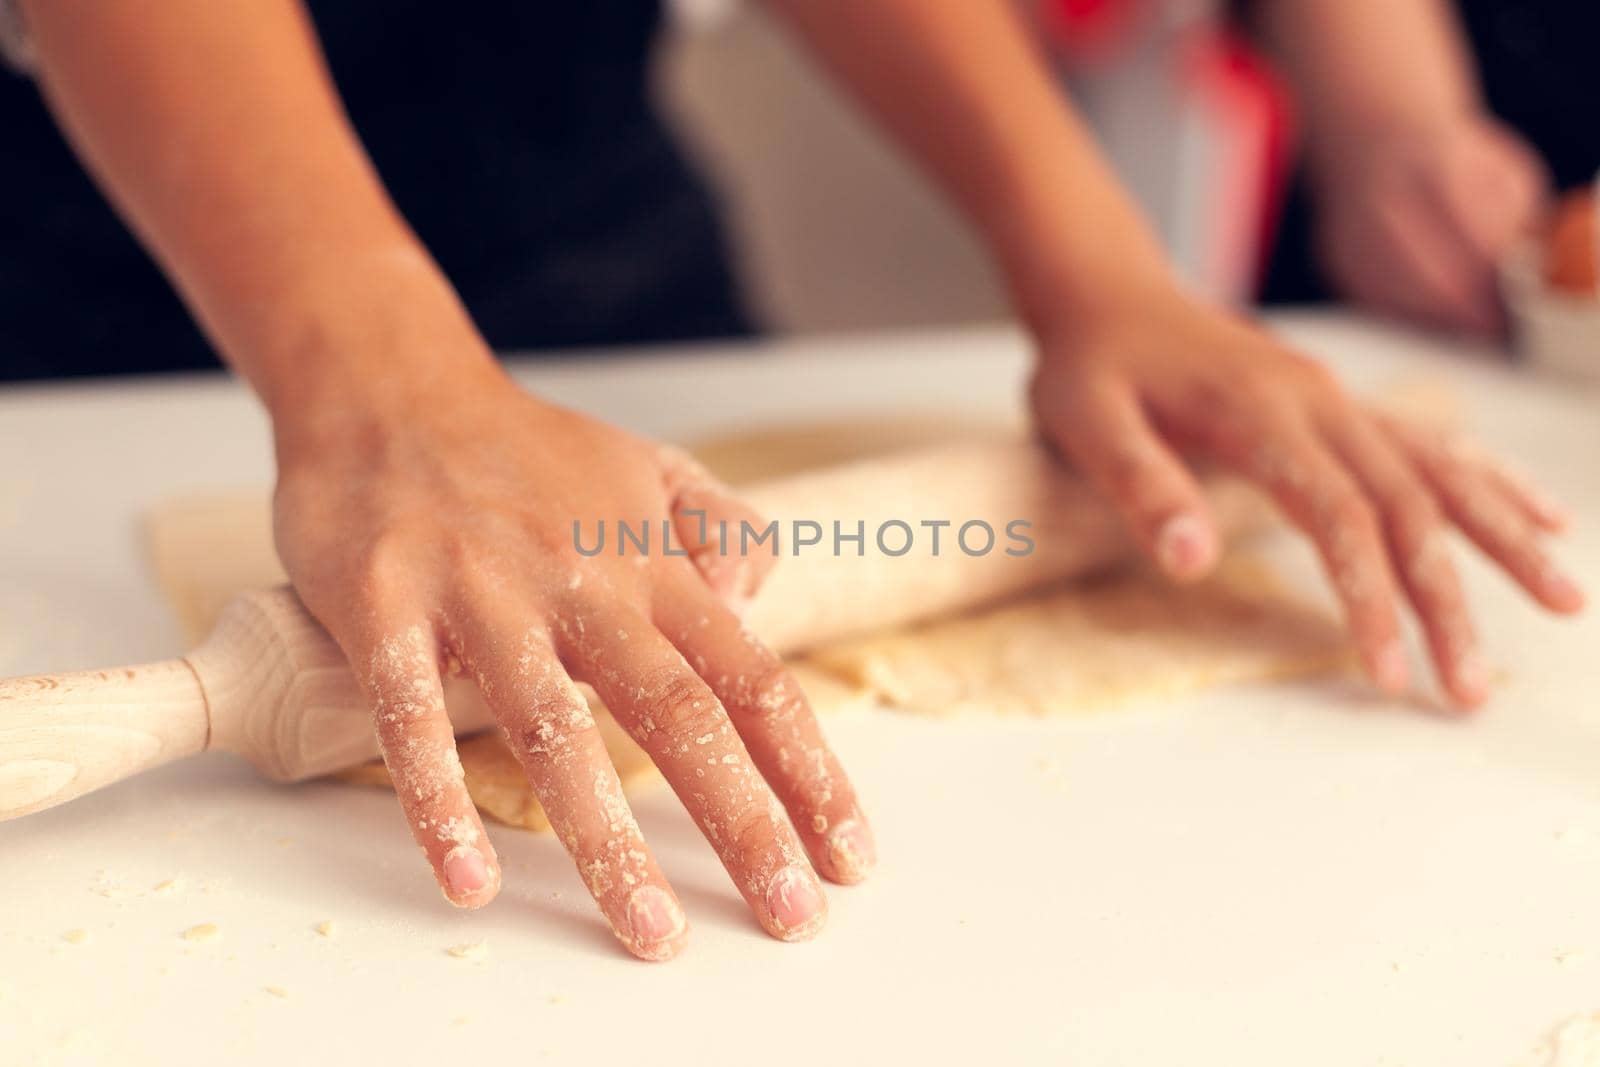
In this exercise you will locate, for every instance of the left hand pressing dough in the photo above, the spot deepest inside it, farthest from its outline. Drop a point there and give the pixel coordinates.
(1077, 647)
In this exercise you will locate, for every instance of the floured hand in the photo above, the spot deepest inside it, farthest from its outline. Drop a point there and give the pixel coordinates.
(437, 532)
(1151, 372)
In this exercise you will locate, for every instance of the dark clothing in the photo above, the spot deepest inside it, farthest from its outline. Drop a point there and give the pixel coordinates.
(517, 139)
(1539, 61)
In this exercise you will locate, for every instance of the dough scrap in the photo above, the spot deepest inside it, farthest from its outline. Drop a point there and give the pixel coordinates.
(1078, 647)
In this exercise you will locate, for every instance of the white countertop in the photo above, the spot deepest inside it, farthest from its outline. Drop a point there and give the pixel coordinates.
(1279, 875)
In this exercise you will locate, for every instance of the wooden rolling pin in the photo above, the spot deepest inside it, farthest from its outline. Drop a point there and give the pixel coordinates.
(271, 686)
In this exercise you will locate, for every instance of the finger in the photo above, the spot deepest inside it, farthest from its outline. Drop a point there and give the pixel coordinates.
(776, 723)
(1417, 545)
(1452, 286)
(1519, 494)
(721, 533)
(548, 725)
(1495, 192)
(1319, 496)
(1474, 243)
(401, 679)
(1539, 509)
(1101, 426)
(675, 717)
(1484, 220)
(1473, 501)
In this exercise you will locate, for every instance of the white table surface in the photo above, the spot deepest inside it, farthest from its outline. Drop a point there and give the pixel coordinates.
(1289, 874)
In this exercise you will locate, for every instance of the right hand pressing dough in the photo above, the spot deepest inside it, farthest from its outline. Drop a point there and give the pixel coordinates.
(1079, 647)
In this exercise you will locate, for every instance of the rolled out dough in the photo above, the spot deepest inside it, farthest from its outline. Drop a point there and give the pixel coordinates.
(1078, 647)
(1096, 643)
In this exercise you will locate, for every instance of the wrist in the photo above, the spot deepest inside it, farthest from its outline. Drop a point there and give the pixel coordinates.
(1065, 285)
(372, 346)
(1068, 243)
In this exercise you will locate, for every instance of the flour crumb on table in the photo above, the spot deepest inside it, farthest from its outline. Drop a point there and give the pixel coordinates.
(111, 889)
(202, 932)
(277, 991)
(76, 937)
(166, 887)
(325, 928)
(472, 950)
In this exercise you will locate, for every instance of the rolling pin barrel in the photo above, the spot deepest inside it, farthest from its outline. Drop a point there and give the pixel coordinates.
(976, 522)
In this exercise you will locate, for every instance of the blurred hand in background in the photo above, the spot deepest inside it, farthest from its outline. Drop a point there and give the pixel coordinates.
(1418, 192)
(1414, 223)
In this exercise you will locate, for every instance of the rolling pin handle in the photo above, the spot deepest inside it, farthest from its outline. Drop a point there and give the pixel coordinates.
(64, 735)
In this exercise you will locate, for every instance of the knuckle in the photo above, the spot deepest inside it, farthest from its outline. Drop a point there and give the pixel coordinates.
(675, 709)
(1131, 470)
(380, 564)
(541, 710)
(1316, 376)
(546, 732)
(1261, 393)
(1351, 512)
(462, 554)
(475, 575)
(424, 766)
(1414, 519)
(1428, 567)
(753, 830)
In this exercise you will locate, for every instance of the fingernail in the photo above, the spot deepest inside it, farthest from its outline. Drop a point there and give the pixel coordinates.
(1390, 668)
(794, 901)
(654, 920)
(1545, 506)
(1183, 545)
(852, 851)
(1552, 512)
(1563, 590)
(465, 870)
(1472, 676)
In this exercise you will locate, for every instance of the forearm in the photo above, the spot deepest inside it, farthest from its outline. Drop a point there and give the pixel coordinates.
(961, 87)
(215, 130)
(1364, 66)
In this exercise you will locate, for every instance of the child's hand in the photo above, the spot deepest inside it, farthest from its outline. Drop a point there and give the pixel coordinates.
(439, 532)
(1121, 389)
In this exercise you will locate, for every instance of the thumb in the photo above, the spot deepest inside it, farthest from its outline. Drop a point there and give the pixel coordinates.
(725, 538)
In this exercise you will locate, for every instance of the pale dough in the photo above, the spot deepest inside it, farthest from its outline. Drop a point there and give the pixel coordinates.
(1096, 643)
(1083, 646)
